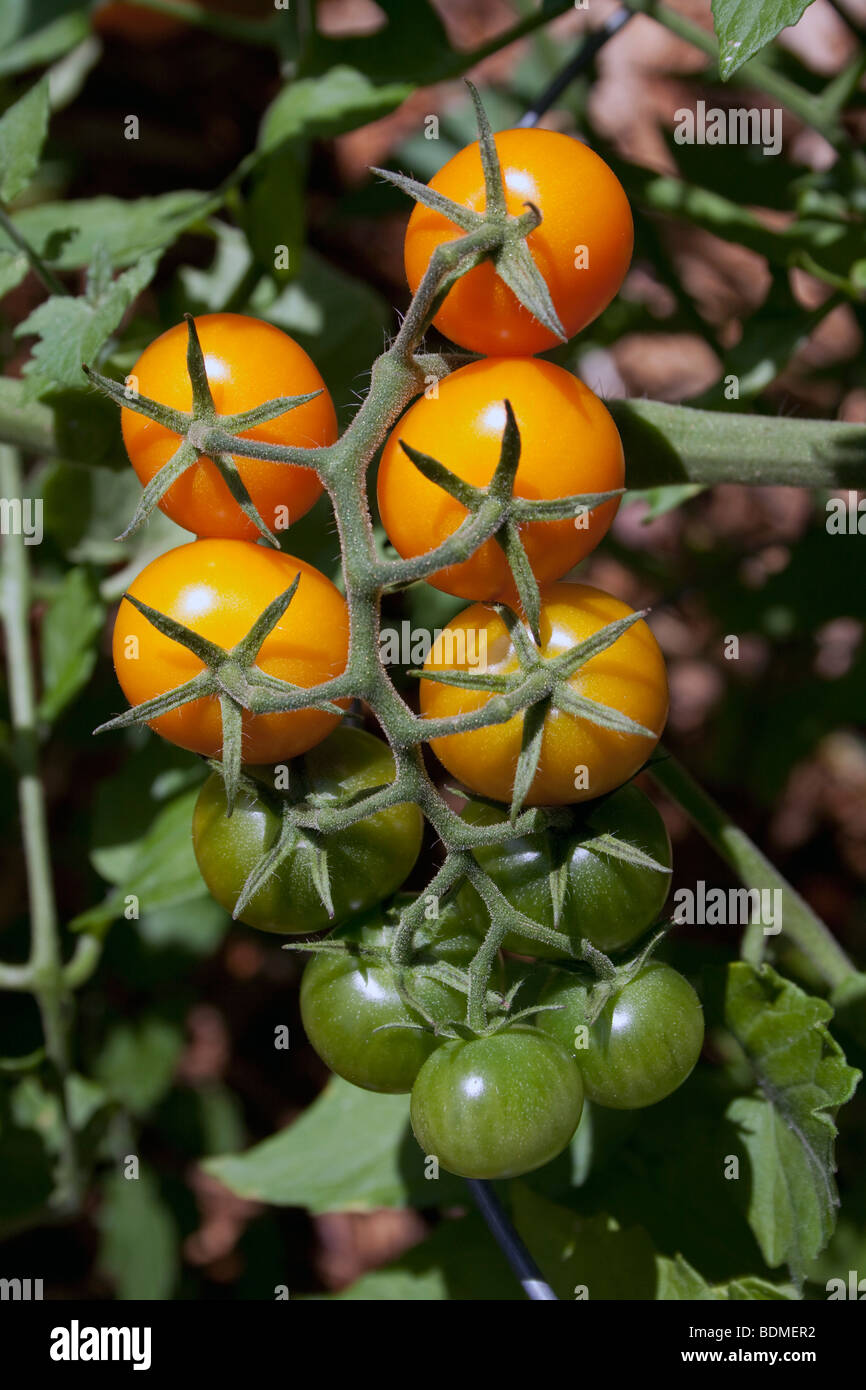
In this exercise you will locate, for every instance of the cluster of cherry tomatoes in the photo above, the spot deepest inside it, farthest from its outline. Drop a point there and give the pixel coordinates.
(508, 1100)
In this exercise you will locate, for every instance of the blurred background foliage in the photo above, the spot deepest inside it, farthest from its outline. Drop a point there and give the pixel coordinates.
(255, 129)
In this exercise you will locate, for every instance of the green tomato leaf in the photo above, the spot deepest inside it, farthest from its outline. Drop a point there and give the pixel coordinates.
(137, 1062)
(594, 1257)
(72, 331)
(21, 54)
(133, 1217)
(745, 26)
(37, 1107)
(68, 234)
(158, 870)
(339, 100)
(764, 351)
(129, 803)
(22, 134)
(24, 1152)
(336, 317)
(273, 214)
(77, 425)
(309, 1164)
(787, 1128)
(83, 508)
(13, 268)
(194, 927)
(69, 634)
(32, 1137)
(666, 498)
(206, 290)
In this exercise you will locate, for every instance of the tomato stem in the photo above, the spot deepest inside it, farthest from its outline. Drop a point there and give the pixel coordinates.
(802, 926)
(43, 974)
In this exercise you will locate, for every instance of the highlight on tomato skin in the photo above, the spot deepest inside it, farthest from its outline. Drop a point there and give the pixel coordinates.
(350, 1006)
(218, 588)
(248, 362)
(497, 1106)
(606, 900)
(582, 247)
(642, 1046)
(455, 983)
(569, 446)
(579, 760)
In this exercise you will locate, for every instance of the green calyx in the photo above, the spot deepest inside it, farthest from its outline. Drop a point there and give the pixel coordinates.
(538, 686)
(441, 954)
(231, 676)
(541, 684)
(606, 983)
(495, 234)
(494, 511)
(203, 434)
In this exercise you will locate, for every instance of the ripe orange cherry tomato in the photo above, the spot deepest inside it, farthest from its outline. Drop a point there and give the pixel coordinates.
(629, 676)
(582, 247)
(248, 362)
(218, 588)
(568, 445)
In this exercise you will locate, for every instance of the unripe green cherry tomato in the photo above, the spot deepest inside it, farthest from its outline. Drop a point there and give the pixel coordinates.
(642, 1045)
(366, 862)
(345, 998)
(607, 900)
(497, 1106)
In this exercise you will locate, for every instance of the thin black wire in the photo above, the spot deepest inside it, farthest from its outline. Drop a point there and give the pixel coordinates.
(590, 46)
(535, 1286)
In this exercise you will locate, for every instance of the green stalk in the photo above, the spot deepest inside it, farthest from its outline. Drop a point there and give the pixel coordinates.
(733, 845)
(36, 263)
(664, 444)
(43, 974)
(678, 444)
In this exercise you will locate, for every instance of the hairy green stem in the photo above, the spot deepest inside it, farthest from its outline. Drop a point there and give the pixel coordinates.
(35, 261)
(43, 973)
(664, 444)
(677, 444)
(800, 923)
